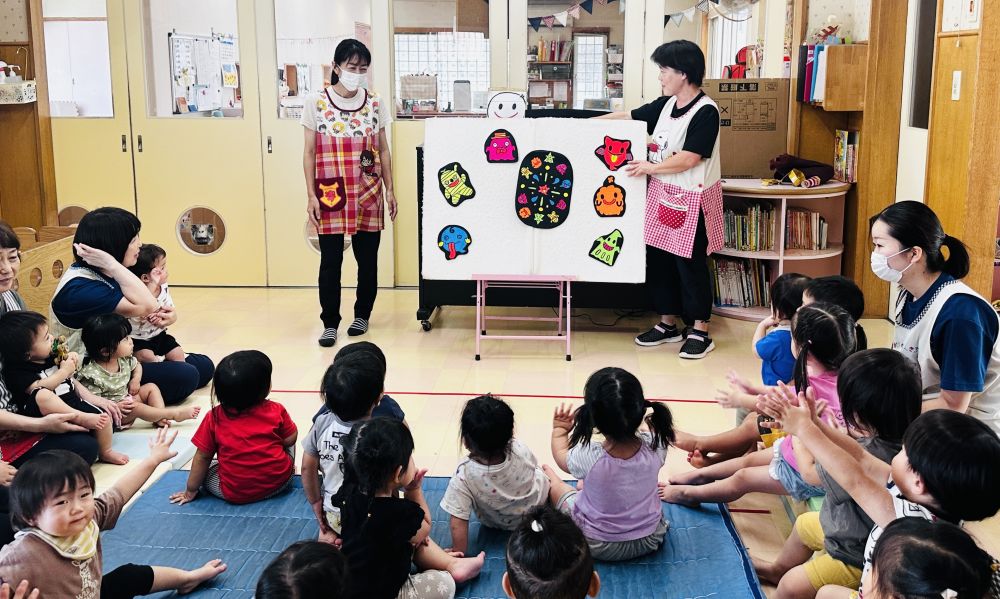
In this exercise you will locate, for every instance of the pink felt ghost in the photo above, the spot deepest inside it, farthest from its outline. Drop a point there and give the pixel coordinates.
(501, 147)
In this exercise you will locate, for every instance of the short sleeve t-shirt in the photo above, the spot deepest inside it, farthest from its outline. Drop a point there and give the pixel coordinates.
(702, 130)
(142, 328)
(377, 533)
(967, 327)
(777, 360)
(904, 508)
(109, 385)
(499, 494)
(824, 386)
(308, 119)
(845, 525)
(324, 442)
(252, 458)
(20, 375)
(82, 298)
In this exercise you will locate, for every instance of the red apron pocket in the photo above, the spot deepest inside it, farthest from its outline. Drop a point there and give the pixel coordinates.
(672, 211)
(332, 193)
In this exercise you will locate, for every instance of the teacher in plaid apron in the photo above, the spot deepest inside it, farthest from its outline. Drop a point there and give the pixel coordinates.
(683, 199)
(347, 165)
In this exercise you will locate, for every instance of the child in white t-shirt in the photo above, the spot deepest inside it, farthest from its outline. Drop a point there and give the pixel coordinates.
(149, 334)
(500, 480)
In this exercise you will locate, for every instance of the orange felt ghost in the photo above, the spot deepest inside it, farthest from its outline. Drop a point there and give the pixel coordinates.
(609, 200)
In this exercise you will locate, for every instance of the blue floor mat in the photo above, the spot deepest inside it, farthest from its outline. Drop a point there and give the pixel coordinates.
(701, 557)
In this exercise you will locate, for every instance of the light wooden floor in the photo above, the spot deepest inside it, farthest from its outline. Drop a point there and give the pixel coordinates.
(432, 374)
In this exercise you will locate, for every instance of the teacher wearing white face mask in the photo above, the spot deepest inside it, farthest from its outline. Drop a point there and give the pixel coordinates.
(347, 166)
(948, 329)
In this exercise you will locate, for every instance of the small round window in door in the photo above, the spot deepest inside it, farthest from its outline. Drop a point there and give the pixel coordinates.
(71, 215)
(201, 230)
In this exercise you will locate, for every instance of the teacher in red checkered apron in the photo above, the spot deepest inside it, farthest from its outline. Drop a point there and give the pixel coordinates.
(683, 199)
(347, 166)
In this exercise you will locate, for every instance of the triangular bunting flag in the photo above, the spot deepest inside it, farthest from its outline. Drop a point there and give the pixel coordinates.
(666, 20)
(549, 21)
(535, 22)
(689, 14)
(588, 5)
(702, 6)
(561, 17)
(574, 11)
(678, 19)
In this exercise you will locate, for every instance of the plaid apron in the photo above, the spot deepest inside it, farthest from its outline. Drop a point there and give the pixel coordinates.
(348, 167)
(673, 201)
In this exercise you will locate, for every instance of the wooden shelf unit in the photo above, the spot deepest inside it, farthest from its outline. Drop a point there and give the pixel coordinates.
(845, 78)
(827, 199)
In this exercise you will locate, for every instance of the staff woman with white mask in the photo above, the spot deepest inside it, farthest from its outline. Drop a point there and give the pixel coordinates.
(944, 326)
(347, 165)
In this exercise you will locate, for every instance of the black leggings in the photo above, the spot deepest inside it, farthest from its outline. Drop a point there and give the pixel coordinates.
(681, 286)
(125, 582)
(365, 245)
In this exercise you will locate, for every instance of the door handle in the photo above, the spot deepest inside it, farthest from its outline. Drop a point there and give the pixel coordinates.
(139, 143)
(124, 143)
(268, 144)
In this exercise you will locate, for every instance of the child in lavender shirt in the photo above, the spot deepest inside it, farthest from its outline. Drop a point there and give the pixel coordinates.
(618, 509)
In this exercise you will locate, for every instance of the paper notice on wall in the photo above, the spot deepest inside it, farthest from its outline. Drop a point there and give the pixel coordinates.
(951, 15)
(971, 11)
(560, 91)
(230, 76)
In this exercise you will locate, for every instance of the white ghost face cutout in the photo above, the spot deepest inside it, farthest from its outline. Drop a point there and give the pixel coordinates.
(506, 105)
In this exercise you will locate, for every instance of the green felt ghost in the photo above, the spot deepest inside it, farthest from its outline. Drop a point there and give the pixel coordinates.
(608, 247)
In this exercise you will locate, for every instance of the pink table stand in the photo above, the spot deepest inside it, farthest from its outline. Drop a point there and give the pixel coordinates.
(559, 284)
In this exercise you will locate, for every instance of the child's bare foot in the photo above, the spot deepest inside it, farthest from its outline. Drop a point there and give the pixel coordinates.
(467, 568)
(692, 477)
(162, 423)
(200, 575)
(699, 460)
(766, 571)
(549, 472)
(110, 456)
(686, 441)
(185, 413)
(675, 494)
(94, 422)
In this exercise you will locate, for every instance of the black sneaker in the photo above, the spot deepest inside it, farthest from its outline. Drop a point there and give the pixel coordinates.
(329, 337)
(659, 335)
(697, 345)
(358, 327)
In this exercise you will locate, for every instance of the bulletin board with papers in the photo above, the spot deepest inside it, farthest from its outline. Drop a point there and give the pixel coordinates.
(203, 72)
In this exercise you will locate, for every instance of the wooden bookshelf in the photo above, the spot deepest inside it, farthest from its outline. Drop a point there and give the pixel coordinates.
(827, 200)
(845, 78)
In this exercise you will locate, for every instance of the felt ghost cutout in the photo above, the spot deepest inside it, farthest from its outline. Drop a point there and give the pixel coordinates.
(501, 147)
(506, 105)
(544, 189)
(609, 199)
(454, 183)
(614, 153)
(607, 248)
(454, 241)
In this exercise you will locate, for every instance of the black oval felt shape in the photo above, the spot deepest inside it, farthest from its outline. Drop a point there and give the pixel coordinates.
(542, 198)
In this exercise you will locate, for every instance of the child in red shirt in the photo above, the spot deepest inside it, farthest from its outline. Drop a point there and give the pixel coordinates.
(252, 436)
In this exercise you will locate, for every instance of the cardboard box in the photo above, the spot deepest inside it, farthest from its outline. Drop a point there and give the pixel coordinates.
(753, 124)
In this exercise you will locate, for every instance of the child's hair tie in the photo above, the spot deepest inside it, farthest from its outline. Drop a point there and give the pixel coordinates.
(949, 594)
(536, 526)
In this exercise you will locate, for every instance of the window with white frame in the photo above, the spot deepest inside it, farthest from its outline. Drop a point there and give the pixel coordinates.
(449, 55)
(589, 68)
(727, 34)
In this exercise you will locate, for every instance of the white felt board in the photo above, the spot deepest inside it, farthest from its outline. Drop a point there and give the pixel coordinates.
(501, 243)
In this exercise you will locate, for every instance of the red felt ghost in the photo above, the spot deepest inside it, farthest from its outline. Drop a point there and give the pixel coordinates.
(614, 153)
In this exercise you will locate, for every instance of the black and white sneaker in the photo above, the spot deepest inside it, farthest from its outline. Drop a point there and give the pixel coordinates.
(659, 335)
(697, 345)
(358, 327)
(329, 337)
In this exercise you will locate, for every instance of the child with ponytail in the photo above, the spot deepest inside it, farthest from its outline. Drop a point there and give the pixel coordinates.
(617, 509)
(822, 338)
(383, 533)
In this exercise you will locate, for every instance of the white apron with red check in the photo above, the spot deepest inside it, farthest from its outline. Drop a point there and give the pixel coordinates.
(673, 201)
(348, 166)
